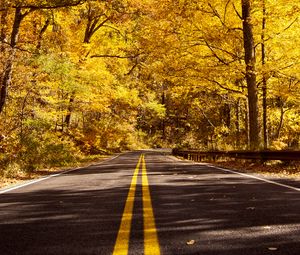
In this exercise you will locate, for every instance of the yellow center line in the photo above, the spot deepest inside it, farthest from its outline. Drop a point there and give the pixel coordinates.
(151, 245)
(122, 242)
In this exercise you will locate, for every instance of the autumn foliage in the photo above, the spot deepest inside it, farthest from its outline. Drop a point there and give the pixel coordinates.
(91, 77)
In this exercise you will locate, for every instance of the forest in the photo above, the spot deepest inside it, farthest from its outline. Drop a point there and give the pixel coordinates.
(87, 77)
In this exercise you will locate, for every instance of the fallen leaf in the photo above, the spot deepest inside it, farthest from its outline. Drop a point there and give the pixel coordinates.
(267, 227)
(191, 242)
(272, 249)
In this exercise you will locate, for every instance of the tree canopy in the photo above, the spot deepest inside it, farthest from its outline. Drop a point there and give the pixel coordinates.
(87, 76)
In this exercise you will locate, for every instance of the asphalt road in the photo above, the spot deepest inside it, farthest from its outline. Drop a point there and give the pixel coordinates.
(215, 211)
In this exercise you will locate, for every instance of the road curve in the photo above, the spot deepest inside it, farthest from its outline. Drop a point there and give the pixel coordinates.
(176, 207)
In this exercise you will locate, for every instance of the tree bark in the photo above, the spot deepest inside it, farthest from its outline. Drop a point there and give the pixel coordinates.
(264, 80)
(237, 124)
(250, 60)
(246, 107)
(70, 109)
(8, 67)
(40, 37)
(163, 123)
(282, 112)
(3, 22)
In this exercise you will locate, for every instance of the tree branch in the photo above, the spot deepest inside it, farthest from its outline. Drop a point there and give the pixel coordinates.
(221, 86)
(225, 11)
(49, 6)
(16, 47)
(133, 67)
(285, 29)
(114, 56)
(237, 12)
(215, 54)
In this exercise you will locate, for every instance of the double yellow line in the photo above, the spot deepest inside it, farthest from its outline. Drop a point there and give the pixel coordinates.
(151, 245)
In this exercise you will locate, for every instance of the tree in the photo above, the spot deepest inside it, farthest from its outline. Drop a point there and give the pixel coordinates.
(250, 61)
(22, 9)
(106, 75)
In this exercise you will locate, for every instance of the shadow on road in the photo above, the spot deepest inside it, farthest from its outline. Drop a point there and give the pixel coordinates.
(80, 212)
(224, 213)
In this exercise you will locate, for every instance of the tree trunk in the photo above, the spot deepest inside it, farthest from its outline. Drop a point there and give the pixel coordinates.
(3, 22)
(264, 80)
(8, 66)
(163, 123)
(246, 107)
(70, 108)
(251, 76)
(237, 124)
(226, 115)
(282, 112)
(41, 33)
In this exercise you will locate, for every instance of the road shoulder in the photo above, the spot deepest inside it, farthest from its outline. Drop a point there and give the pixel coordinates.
(8, 184)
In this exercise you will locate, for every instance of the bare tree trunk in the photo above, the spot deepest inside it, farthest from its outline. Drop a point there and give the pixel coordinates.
(250, 59)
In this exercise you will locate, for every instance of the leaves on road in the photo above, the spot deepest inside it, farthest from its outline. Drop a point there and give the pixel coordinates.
(272, 249)
(191, 242)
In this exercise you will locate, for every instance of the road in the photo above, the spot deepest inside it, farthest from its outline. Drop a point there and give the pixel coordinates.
(187, 208)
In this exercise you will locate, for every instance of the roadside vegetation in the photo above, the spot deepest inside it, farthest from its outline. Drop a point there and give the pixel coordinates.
(92, 77)
(14, 174)
(274, 169)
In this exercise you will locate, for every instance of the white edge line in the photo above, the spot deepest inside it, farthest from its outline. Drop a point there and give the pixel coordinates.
(257, 178)
(51, 176)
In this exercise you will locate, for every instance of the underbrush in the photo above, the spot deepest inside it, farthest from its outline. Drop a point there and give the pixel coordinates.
(38, 154)
(38, 150)
(13, 173)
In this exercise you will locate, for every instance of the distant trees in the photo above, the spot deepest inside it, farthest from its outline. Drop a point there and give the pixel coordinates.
(214, 48)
